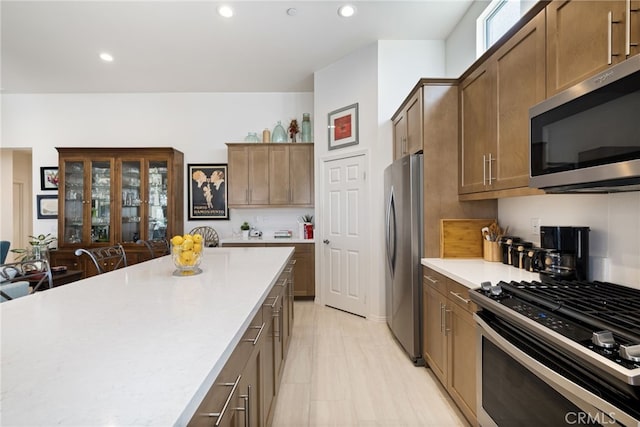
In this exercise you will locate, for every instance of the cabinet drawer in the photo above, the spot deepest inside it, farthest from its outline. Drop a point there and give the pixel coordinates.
(434, 279)
(459, 295)
(225, 387)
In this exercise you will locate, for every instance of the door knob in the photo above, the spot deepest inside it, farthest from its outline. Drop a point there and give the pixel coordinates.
(325, 241)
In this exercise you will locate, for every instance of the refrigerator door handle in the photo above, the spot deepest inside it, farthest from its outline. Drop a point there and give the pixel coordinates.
(390, 232)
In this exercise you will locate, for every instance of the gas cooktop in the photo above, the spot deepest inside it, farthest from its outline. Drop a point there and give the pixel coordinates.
(596, 321)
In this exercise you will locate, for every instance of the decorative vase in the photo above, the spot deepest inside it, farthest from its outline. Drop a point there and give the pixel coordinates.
(252, 137)
(266, 135)
(187, 261)
(306, 127)
(245, 234)
(279, 134)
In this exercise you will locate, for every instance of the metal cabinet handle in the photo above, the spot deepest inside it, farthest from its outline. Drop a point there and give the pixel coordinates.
(282, 283)
(220, 415)
(628, 44)
(257, 338)
(446, 328)
(491, 159)
(460, 297)
(484, 169)
(275, 301)
(292, 262)
(442, 308)
(431, 279)
(610, 23)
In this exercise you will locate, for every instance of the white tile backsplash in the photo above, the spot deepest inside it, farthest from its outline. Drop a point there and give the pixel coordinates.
(614, 219)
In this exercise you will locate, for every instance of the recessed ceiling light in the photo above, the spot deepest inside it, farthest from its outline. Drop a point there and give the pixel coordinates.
(106, 57)
(346, 11)
(225, 11)
(292, 11)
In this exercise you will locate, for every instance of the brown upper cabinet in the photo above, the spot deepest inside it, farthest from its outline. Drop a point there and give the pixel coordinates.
(291, 174)
(494, 115)
(262, 175)
(248, 174)
(586, 37)
(407, 127)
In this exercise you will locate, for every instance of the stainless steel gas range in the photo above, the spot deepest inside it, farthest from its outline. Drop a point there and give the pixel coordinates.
(558, 353)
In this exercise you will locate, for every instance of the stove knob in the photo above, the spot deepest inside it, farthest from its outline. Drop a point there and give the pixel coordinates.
(630, 352)
(496, 290)
(603, 339)
(486, 286)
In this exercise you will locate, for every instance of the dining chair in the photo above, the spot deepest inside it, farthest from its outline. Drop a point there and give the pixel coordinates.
(209, 235)
(105, 258)
(4, 250)
(21, 278)
(156, 247)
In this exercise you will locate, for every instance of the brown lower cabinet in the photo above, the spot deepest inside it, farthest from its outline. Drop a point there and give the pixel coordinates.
(245, 391)
(305, 260)
(450, 338)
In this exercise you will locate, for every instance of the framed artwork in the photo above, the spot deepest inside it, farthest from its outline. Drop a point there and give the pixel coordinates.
(207, 192)
(49, 178)
(343, 127)
(47, 206)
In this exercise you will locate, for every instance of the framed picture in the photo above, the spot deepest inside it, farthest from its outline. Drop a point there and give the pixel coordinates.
(207, 193)
(47, 206)
(343, 127)
(49, 178)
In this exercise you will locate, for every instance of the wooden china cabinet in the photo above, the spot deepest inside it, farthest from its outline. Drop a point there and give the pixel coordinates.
(117, 195)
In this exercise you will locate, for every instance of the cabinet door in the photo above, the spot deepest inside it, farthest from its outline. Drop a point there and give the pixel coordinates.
(520, 83)
(130, 204)
(301, 174)
(259, 175)
(462, 359)
(414, 124)
(249, 406)
(102, 194)
(238, 190)
(435, 340)
(73, 203)
(477, 110)
(279, 188)
(399, 135)
(158, 209)
(268, 362)
(578, 42)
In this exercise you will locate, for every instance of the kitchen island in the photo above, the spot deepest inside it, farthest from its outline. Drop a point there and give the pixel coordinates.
(136, 346)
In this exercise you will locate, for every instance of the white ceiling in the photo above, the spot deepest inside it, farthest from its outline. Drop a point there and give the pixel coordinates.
(184, 46)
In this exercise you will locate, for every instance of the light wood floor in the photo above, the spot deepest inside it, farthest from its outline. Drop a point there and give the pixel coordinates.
(342, 370)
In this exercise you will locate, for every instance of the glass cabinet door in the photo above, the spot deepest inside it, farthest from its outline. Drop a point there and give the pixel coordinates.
(100, 201)
(73, 201)
(131, 201)
(157, 199)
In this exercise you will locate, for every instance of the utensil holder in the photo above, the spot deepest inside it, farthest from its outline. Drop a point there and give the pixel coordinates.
(491, 251)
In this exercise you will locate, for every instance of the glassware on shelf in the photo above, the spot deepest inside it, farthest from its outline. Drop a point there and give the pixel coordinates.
(279, 134)
(252, 137)
(306, 127)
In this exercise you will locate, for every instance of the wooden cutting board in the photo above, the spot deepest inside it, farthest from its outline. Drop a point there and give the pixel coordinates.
(462, 238)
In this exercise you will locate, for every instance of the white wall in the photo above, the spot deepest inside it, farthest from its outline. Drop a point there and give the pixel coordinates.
(614, 219)
(198, 124)
(378, 77)
(461, 43)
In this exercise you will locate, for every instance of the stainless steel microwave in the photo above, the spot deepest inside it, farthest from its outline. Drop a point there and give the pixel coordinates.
(587, 138)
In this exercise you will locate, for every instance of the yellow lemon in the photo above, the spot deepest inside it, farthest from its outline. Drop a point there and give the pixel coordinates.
(187, 237)
(177, 240)
(197, 248)
(197, 238)
(187, 258)
(187, 245)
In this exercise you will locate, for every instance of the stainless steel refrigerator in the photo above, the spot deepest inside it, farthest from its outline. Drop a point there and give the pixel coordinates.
(403, 242)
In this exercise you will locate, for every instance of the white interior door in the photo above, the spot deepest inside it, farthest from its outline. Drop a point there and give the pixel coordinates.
(345, 256)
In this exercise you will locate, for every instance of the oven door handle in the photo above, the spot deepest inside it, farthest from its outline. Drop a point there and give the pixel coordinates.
(583, 399)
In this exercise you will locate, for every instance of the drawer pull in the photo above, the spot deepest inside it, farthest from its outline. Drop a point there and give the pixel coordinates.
(282, 283)
(220, 415)
(292, 262)
(275, 301)
(460, 297)
(431, 279)
(255, 340)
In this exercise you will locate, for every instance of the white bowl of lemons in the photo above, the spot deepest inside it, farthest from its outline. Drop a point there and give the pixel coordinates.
(186, 252)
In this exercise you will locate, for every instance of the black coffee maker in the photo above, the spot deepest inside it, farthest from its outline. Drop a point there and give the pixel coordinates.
(566, 252)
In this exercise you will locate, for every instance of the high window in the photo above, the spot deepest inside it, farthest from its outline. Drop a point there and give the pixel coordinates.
(496, 20)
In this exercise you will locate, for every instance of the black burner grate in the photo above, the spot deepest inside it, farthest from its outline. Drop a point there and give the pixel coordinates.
(597, 303)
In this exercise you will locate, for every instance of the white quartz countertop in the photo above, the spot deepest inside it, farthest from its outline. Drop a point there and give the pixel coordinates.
(264, 239)
(473, 271)
(136, 346)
